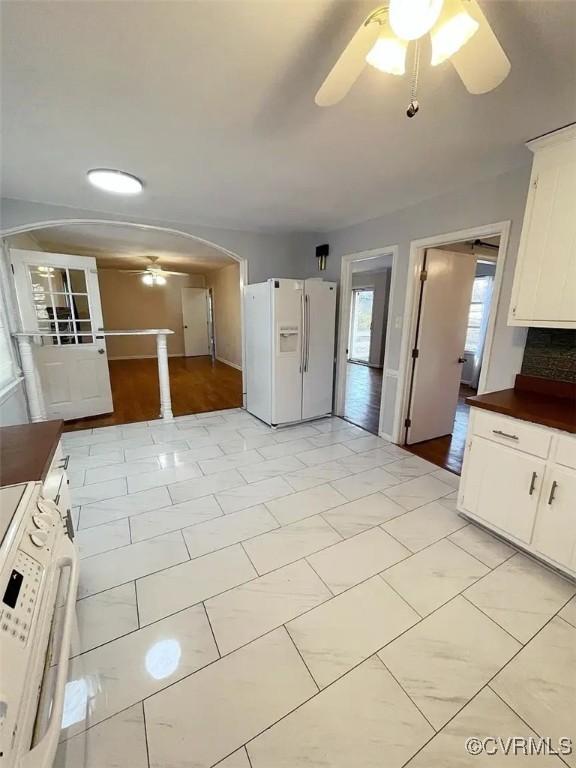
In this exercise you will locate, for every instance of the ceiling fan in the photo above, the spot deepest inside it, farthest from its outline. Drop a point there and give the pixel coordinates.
(154, 274)
(458, 30)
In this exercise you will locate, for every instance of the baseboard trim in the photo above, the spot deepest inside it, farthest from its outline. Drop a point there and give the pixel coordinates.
(140, 357)
(227, 362)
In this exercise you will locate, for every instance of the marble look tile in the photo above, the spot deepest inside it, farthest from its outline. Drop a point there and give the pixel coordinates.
(162, 477)
(404, 469)
(123, 506)
(121, 469)
(238, 759)
(333, 424)
(205, 486)
(123, 444)
(424, 525)
(229, 529)
(540, 683)
(292, 542)
(289, 434)
(447, 477)
(252, 609)
(116, 743)
(172, 433)
(158, 521)
(322, 455)
(108, 679)
(77, 462)
(232, 461)
(178, 458)
(364, 483)
(354, 560)
(487, 548)
(270, 468)
(247, 443)
(110, 489)
(214, 712)
(486, 716)
(105, 616)
(81, 451)
(417, 492)
(305, 504)
(81, 438)
(368, 443)
(127, 563)
(362, 462)
(76, 477)
(521, 596)
(568, 613)
(173, 589)
(434, 575)
(340, 436)
(447, 658)
(365, 719)
(289, 448)
(254, 493)
(367, 512)
(308, 477)
(346, 630)
(101, 538)
(156, 449)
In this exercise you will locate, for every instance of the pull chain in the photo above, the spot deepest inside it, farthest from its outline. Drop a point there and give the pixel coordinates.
(413, 107)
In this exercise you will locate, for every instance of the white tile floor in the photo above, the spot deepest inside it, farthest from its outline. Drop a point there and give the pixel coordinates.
(306, 598)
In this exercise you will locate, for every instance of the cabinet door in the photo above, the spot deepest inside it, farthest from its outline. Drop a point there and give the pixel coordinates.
(502, 486)
(555, 531)
(543, 293)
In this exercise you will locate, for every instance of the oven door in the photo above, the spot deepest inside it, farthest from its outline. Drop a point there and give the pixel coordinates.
(45, 712)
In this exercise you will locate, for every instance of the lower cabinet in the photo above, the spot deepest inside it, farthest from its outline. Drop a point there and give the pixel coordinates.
(555, 531)
(503, 487)
(519, 479)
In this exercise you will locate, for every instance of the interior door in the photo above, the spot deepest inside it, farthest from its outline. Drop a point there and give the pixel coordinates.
(196, 321)
(318, 368)
(441, 337)
(58, 295)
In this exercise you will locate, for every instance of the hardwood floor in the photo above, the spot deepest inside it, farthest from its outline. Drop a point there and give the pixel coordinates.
(196, 385)
(363, 393)
(448, 451)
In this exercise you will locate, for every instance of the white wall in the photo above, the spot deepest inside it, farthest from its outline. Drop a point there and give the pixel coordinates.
(13, 409)
(225, 284)
(497, 199)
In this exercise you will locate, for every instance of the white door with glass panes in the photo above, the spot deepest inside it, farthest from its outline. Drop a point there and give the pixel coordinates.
(361, 325)
(58, 296)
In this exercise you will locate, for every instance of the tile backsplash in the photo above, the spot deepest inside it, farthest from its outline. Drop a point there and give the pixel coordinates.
(550, 353)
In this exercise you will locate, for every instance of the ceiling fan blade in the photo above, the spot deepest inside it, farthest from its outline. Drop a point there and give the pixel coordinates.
(481, 63)
(347, 69)
(168, 272)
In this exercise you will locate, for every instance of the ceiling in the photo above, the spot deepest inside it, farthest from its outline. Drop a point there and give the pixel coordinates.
(212, 104)
(125, 247)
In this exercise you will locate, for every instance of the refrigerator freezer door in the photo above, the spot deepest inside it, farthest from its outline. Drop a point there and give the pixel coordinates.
(287, 307)
(318, 374)
(257, 321)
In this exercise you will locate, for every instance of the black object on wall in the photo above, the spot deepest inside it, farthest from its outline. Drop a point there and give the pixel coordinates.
(322, 254)
(550, 353)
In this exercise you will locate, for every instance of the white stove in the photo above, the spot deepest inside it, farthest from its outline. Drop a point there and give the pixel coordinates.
(36, 557)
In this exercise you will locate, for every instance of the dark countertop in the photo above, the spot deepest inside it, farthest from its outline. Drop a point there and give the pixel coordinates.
(552, 404)
(26, 451)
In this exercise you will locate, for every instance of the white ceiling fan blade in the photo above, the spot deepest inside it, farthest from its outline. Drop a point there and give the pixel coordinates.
(168, 272)
(347, 69)
(481, 63)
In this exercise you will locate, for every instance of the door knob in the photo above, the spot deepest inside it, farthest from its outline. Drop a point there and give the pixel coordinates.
(185, 326)
(100, 351)
(461, 359)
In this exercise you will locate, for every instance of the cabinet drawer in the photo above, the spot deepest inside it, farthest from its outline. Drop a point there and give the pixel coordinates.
(512, 432)
(566, 451)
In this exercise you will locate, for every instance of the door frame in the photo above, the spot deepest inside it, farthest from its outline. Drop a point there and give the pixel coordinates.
(345, 307)
(417, 250)
(242, 261)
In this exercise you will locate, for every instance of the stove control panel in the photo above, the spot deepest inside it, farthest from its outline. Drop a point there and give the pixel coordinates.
(20, 596)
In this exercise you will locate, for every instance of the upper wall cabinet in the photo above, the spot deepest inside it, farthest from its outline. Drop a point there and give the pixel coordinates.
(544, 292)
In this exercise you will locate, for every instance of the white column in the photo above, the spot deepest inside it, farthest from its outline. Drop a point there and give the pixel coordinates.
(164, 378)
(33, 391)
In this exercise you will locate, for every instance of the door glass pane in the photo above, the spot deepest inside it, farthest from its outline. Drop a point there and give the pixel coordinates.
(81, 307)
(59, 279)
(77, 281)
(85, 339)
(361, 325)
(40, 278)
(61, 303)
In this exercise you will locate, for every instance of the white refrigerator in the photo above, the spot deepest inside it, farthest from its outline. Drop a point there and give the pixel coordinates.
(290, 327)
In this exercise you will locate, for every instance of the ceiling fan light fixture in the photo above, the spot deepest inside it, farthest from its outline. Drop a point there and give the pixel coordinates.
(388, 54)
(411, 19)
(160, 279)
(148, 279)
(453, 30)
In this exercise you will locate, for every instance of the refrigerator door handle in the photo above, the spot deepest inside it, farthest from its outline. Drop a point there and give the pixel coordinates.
(303, 332)
(307, 305)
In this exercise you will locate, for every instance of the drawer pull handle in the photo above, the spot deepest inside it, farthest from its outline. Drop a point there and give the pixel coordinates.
(64, 464)
(505, 434)
(532, 483)
(552, 492)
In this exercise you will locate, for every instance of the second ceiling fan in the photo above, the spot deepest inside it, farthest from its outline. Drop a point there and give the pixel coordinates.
(458, 30)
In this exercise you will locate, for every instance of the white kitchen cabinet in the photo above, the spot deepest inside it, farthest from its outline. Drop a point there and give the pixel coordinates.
(55, 486)
(519, 480)
(555, 531)
(544, 290)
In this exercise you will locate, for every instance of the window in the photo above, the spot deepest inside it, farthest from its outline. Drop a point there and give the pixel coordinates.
(61, 305)
(361, 326)
(479, 305)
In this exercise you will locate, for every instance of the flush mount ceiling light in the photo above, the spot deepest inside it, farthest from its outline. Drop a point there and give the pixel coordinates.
(118, 182)
(459, 32)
